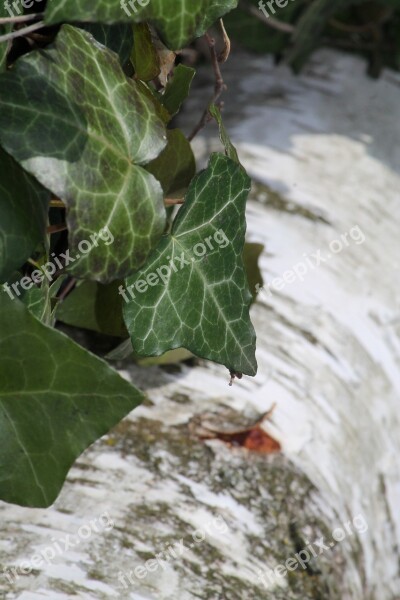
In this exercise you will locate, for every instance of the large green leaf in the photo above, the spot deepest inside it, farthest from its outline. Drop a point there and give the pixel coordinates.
(193, 291)
(178, 21)
(23, 212)
(55, 400)
(84, 132)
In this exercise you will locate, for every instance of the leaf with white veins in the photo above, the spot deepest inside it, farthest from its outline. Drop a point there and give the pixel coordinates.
(193, 292)
(85, 133)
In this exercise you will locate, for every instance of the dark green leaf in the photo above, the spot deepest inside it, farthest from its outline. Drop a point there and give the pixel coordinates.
(94, 306)
(144, 56)
(177, 20)
(118, 38)
(193, 291)
(23, 213)
(85, 131)
(55, 400)
(176, 165)
(177, 89)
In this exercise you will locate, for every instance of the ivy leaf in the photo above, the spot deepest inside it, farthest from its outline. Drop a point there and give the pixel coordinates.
(193, 292)
(55, 400)
(178, 21)
(144, 56)
(86, 130)
(118, 38)
(176, 165)
(177, 89)
(23, 213)
(94, 306)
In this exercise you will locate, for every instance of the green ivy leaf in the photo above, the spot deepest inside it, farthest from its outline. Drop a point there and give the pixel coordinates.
(178, 21)
(85, 132)
(55, 400)
(144, 56)
(199, 303)
(177, 89)
(176, 165)
(94, 306)
(118, 38)
(23, 214)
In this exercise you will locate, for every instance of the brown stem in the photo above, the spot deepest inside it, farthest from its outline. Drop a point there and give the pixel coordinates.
(68, 288)
(56, 228)
(173, 201)
(219, 88)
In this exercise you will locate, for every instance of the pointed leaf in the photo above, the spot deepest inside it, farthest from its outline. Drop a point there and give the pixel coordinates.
(193, 292)
(85, 132)
(230, 149)
(55, 400)
(178, 21)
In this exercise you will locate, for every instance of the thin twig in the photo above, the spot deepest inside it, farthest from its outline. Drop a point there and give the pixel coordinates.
(67, 289)
(270, 21)
(21, 19)
(56, 228)
(21, 32)
(173, 201)
(219, 88)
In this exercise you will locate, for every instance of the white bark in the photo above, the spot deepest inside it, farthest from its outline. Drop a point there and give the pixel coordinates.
(324, 149)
